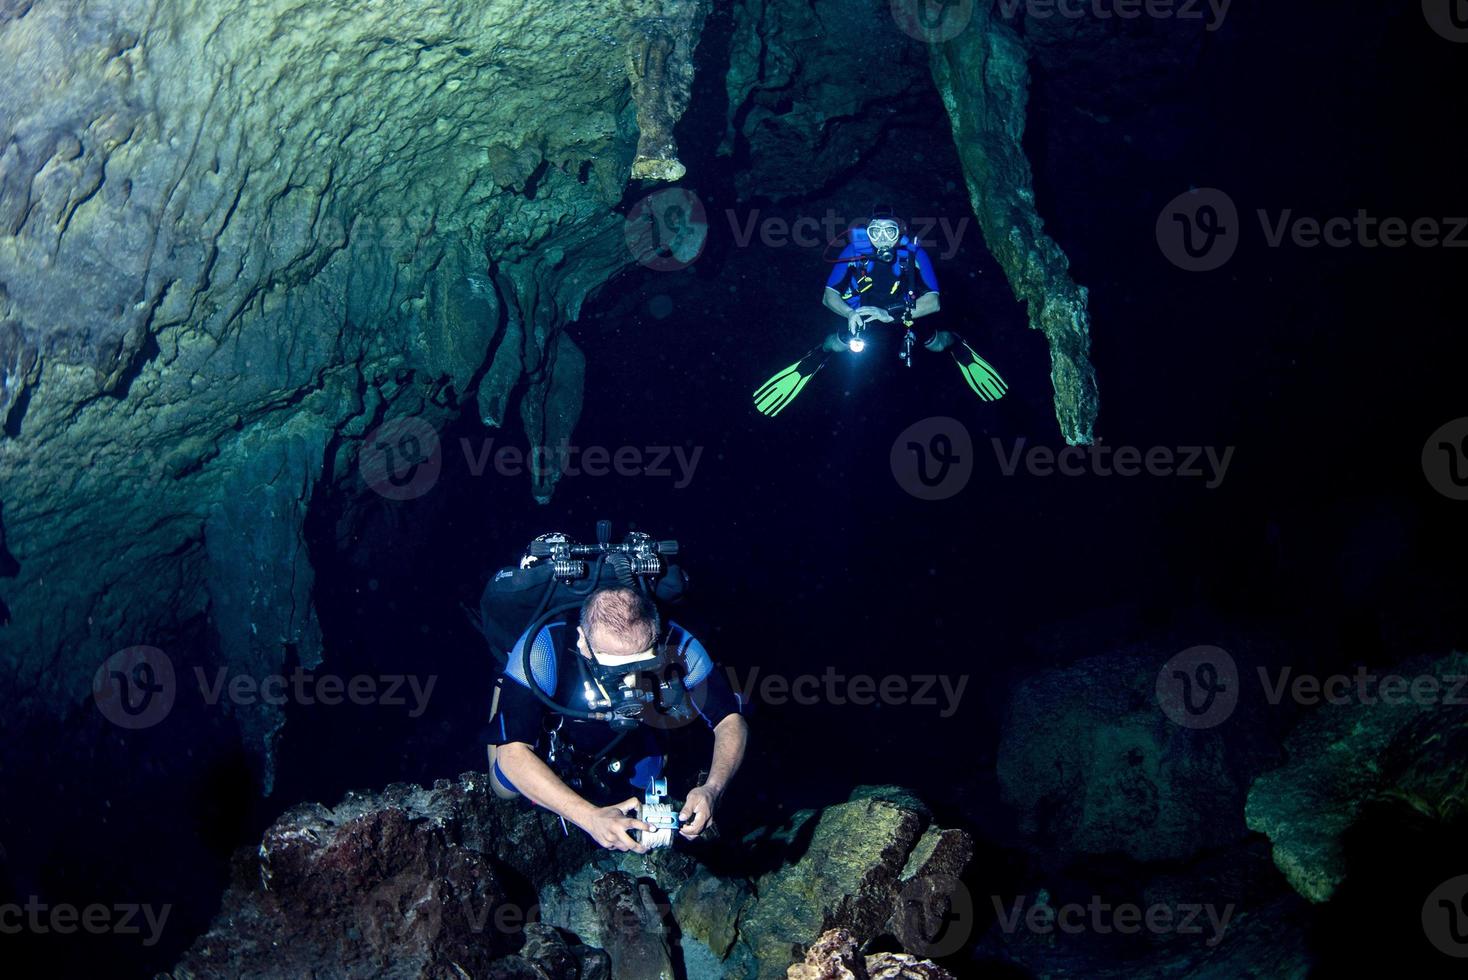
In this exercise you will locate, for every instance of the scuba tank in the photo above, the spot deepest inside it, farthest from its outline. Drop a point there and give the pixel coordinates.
(553, 578)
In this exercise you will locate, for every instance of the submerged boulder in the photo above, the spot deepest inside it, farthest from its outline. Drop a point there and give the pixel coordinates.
(447, 881)
(837, 956)
(411, 882)
(1401, 738)
(854, 874)
(1093, 766)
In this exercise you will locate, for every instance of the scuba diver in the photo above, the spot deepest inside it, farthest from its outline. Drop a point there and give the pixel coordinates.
(594, 685)
(881, 276)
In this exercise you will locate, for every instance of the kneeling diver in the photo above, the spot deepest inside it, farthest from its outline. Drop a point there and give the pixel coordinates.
(584, 706)
(881, 276)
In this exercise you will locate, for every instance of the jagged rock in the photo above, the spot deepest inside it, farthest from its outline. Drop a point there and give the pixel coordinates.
(1345, 757)
(927, 887)
(223, 222)
(549, 950)
(632, 928)
(795, 117)
(903, 966)
(660, 67)
(410, 882)
(984, 80)
(847, 877)
(836, 955)
(1092, 765)
(707, 908)
(259, 575)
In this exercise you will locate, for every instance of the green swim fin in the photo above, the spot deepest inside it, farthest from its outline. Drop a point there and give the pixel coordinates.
(779, 391)
(979, 373)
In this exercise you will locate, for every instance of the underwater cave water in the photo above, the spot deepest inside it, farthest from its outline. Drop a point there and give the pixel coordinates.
(1289, 395)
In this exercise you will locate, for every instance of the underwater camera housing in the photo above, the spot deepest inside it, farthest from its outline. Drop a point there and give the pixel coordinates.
(637, 555)
(655, 810)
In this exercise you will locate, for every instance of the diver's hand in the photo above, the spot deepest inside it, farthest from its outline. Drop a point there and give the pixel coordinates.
(609, 827)
(863, 315)
(940, 341)
(700, 808)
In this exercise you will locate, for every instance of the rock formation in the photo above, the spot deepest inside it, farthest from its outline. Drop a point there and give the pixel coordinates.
(1401, 742)
(983, 76)
(418, 882)
(237, 238)
(1092, 766)
(837, 956)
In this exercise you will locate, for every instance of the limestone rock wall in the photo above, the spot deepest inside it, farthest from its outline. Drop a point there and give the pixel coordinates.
(983, 76)
(236, 236)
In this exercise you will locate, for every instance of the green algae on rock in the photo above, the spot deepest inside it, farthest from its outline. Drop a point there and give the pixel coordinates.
(272, 227)
(1403, 750)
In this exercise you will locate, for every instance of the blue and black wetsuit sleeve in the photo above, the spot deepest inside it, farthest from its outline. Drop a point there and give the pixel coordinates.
(926, 278)
(708, 687)
(841, 275)
(519, 714)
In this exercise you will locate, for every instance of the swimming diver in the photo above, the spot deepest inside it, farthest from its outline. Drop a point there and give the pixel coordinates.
(611, 683)
(881, 276)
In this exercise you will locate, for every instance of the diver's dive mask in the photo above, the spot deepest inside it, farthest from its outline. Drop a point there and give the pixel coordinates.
(883, 233)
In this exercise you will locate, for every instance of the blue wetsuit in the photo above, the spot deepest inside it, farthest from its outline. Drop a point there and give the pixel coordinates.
(559, 671)
(863, 279)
